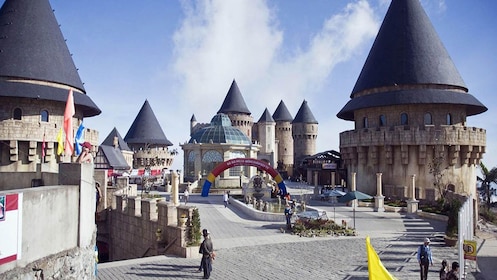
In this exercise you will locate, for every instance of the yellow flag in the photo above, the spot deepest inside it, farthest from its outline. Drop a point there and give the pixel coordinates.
(60, 143)
(376, 269)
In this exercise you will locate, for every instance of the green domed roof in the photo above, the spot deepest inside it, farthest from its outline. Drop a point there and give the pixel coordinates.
(220, 131)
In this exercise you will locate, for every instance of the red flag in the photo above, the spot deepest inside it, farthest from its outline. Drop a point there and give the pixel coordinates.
(68, 114)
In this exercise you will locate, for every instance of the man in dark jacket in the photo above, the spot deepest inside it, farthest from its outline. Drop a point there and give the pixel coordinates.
(207, 251)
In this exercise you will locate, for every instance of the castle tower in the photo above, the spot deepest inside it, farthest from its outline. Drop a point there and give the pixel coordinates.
(149, 143)
(36, 74)
(283, 133)
(304, 133)
(234, 106)
(114, 153)
(193, 123)
(267, 138)
(409, 106)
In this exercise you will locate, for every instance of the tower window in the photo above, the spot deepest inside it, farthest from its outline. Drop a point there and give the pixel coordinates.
(365, 122)
(44, 116)
(428, 119)
(449, 119)
(404, 119)
(17, 115)
(383, 120)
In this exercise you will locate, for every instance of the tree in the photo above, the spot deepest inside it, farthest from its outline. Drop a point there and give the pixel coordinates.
(435, 168)
(488, 177)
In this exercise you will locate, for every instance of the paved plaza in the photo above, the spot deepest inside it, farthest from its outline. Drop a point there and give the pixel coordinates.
(248, 249)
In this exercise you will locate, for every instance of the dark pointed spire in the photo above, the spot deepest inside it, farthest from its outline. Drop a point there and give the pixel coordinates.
(193, 119)
(233, 102)
(281, 114)
(109, 140)
(146, 129)
(33, 49)
(408, 64)
(266, 117)
(304, 115)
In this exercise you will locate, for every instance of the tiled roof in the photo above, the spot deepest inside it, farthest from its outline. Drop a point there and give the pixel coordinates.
(266, 117)
(281, 114)
(109, 140)
(304, 115)
(233, 102)
(146, 129)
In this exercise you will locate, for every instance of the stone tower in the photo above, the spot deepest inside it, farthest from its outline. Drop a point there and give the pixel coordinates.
(149, 143)
(409, 106)
(284, 139)
(234, 106)
(267, 139)
(36, 74)
(304, 133)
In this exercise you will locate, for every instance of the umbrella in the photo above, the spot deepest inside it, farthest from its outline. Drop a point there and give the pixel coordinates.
(352, 196)
(335, 193)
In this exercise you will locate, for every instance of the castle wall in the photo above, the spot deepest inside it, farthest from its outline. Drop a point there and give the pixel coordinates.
(304, 140)
(58, 229)
(285, 145)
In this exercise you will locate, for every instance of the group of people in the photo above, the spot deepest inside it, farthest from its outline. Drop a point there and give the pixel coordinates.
(425, 259)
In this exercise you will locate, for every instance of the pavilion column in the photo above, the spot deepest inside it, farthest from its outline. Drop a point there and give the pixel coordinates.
(412, 203)
(175, 188)
(379, 199)
(353, 188)
(332, 180)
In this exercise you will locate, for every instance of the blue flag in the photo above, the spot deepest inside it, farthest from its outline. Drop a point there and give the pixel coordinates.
(78, 139)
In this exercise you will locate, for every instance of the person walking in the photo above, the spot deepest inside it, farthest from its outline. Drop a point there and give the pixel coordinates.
(424, 258)
(444, 270)
(454, 273)
(288, 216)
(207, 251)
(225, 199)
(186, 194)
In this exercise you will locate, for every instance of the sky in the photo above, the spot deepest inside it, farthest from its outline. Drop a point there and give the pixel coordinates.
(182, 56)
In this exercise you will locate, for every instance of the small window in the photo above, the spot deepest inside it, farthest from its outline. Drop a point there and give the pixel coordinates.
(404, 119)
(44, 116)
(365, 122)
(17, 114)
(427, 119)
(383, 120)
(449, 119)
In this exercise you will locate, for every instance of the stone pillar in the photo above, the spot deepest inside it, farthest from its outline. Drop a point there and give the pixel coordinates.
(316, 178)
(412, 203)
(379, 199)
(353, 187)
(333, 180)
(175, 188)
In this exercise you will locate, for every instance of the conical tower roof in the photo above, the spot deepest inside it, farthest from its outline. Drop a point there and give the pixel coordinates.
(32, 50)
(408, 64)
(233, 102)
(304, 115)
(109, 140)
(266, 117)
(281, 114)
(146, 129)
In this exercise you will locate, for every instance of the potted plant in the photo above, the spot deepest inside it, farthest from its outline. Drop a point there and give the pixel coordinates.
(194, 231)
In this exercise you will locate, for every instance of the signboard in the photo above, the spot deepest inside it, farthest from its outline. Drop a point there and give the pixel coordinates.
(469, 248)
(10, 227)
(330, 165)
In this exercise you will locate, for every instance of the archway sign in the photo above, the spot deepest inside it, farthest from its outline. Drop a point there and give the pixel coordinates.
(243, 162)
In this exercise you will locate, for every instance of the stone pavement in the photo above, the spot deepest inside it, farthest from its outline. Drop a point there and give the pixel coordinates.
(248, 249)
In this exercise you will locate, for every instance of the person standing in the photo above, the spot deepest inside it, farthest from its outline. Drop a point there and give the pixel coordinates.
(207, 251)
(85, 156)
(225, 199)
(186, 194)
(288, 216)
(454, 273)
(424, 258)
(444, 270)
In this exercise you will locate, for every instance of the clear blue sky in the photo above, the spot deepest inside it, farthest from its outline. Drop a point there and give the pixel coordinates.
(183, 55)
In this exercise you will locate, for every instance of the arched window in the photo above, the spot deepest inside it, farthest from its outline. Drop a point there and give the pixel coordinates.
(44, 116)
(404, 119)
(210, 160)
(190, 164)
(365, 122)
(383, 120)
(449, 119)
(428, 119)
(17, 115)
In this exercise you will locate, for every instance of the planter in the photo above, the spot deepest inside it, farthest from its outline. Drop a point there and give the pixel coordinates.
(450, 241)
(182, 221)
